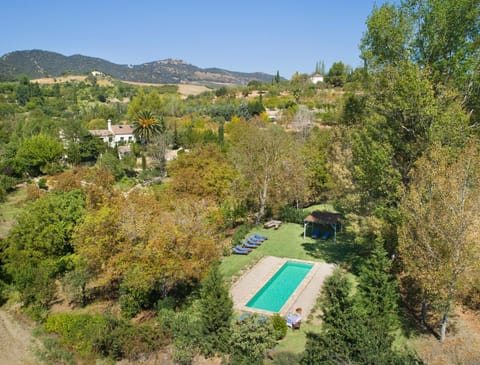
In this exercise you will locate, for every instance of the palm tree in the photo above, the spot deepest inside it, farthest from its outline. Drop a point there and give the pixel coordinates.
(145, 128)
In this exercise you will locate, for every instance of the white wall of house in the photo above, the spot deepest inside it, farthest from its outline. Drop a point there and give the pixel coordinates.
(316, 78)
(121, 139)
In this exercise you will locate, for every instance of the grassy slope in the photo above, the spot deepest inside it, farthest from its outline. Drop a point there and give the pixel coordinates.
(10, 209)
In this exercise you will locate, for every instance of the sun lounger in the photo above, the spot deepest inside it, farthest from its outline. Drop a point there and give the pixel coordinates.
(239, 247)
(249, 245)
(272, 224)
(260, 237)
(239, 252)
(254, 238)
(256, 243)
(325, 235)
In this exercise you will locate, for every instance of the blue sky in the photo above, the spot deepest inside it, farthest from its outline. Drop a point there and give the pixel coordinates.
(238, 35)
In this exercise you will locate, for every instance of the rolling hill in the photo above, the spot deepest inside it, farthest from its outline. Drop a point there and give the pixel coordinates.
(38, 63)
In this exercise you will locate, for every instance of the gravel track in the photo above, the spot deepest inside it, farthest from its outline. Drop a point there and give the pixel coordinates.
(16, 341)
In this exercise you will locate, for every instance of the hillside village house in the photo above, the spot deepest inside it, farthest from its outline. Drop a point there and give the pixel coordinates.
(316, 78)
(115, 134)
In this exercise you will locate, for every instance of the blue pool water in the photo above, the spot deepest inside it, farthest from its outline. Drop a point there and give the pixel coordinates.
(275, 293)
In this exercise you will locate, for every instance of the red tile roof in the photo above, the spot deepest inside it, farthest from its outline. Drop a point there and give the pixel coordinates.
(101, 132)
(122, 129)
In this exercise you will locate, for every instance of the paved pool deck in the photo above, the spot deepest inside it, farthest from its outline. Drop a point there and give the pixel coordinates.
(304, 296)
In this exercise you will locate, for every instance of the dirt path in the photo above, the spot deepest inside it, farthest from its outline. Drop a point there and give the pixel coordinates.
(16, 341)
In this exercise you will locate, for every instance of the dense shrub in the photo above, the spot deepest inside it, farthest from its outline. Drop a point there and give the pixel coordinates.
(251, 338)
(280, 326)
(185, 330)
(42, 183)
(241, 232)
(129, 341)
(7, 184)
(76, 331)
(104, 335)
(135, 294)
(3, 290)
(232, 213)
(166, 303)
(292, 215)
(53, 352)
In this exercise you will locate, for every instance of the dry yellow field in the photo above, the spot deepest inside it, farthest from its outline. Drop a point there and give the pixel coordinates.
(184, 89)
(62, 79)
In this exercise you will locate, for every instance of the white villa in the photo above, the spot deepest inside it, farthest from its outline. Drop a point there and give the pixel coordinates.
(316, 78)
(118, 134)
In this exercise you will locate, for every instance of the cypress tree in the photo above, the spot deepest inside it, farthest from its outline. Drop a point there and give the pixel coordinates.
(216, 312)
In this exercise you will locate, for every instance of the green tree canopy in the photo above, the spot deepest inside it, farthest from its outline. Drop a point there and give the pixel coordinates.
(337, 75)
(36, 154)
(216, 312)
(267, 159)
(39, 245)
(438, 240)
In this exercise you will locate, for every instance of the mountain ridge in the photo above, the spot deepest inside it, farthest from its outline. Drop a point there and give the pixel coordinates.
(38, 63)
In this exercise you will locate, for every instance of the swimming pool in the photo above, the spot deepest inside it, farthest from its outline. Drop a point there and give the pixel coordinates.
(275, 293)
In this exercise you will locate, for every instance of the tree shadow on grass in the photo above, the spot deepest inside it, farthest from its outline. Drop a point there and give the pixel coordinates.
(344, 252)
(410, 324)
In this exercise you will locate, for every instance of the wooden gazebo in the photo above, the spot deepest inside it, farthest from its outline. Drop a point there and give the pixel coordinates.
(318, 217)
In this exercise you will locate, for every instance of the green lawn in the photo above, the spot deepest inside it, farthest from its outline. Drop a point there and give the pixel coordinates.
(10, 209)
(287, 241)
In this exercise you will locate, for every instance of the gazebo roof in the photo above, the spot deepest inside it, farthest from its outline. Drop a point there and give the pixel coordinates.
(323, 217)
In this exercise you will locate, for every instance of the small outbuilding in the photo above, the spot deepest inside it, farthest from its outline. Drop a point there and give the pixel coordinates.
(317, 217)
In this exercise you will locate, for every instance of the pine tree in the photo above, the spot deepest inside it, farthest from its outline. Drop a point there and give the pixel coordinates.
(352, 333)
(216, 312)
(377, 290)
(331, 345)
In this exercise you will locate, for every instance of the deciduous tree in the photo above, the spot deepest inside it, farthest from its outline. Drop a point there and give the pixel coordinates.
(439, 236)
(337, 75)
(37, 153)
(262, 154)
(39, 245)
(204, 172)
(150, 244)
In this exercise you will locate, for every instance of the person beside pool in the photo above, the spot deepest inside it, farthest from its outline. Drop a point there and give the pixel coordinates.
(294, 320)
